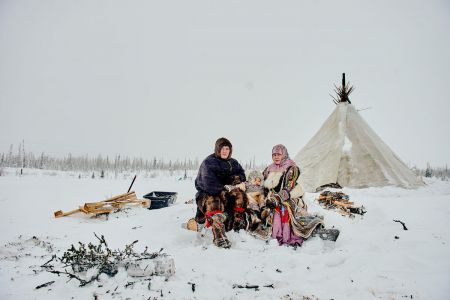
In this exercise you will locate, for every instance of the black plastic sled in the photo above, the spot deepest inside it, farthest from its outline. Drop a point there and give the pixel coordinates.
(160, 199)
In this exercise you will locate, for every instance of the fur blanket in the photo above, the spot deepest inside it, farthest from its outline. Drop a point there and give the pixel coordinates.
(302, 223)
(273, 179)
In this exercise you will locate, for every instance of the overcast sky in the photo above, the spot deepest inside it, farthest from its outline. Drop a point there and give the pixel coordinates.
(167, 78)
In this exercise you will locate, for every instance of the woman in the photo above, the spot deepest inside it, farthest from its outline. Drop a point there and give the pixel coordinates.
(288, 219)
(215, 176)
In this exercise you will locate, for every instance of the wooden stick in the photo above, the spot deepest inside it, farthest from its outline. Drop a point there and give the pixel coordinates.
(403, 224)
(132, 183)
(45, 284)
(60, 213)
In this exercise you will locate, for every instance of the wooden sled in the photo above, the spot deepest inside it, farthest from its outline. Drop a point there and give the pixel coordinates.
(106, 206)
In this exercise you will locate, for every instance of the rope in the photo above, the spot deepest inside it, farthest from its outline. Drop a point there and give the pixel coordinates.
(209, 214)
(239, 209)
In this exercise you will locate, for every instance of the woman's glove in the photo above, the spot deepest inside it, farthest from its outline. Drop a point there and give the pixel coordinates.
(272, 200)
(271, 203)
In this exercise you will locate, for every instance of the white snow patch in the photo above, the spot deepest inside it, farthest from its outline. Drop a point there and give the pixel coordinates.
(366, 262)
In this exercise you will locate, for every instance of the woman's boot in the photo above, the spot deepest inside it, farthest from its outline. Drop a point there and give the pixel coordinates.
(326, 234)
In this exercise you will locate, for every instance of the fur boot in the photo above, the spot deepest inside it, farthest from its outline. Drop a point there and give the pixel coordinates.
(326, 234)
(218, 229)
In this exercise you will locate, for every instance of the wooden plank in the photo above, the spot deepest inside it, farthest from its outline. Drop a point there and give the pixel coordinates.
(131, 194)
(144, 202)
(93, 205)
(102, 211)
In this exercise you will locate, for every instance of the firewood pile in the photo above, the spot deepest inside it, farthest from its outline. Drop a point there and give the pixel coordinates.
(106, 206)
(341, 202)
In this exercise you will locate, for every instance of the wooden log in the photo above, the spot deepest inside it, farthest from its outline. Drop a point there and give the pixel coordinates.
(346, 202)
(83, 210)
(116, 204)
(117, 199)
(121, 200)
(102, 211)
(131, 194)
(346, 205)
(93, 205)
(143, 202)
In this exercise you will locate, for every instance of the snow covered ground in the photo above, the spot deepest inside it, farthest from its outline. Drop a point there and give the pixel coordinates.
(366, 262)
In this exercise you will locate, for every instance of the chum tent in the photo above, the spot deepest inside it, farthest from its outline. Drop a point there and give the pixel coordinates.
(347, 152)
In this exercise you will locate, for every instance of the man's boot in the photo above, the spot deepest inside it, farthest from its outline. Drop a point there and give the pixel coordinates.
(218, 229)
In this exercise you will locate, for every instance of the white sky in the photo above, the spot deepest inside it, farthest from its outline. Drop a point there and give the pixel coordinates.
(167, 78)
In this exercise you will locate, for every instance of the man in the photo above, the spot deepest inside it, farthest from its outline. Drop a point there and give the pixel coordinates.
(216, 175)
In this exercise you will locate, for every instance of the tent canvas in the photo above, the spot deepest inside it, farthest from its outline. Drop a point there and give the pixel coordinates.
(347, 151)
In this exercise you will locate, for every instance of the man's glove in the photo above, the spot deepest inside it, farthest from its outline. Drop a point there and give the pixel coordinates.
(241, 186)
(229, 188)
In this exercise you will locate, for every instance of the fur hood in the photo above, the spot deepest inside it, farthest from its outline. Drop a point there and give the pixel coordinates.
(221, 143)
(252, 175)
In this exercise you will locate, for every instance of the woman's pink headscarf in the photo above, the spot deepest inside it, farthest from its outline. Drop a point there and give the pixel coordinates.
(285, 163)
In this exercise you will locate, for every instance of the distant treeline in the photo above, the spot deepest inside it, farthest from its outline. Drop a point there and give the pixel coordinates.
(117, 164)
(438, 172)
(84, 163)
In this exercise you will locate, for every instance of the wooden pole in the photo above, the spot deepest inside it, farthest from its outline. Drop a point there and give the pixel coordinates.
(343, 80)
(132, 183)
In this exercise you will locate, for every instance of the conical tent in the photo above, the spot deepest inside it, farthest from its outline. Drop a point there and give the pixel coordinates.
(347, 151)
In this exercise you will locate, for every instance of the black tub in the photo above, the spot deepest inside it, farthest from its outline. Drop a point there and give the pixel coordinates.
(161, 199)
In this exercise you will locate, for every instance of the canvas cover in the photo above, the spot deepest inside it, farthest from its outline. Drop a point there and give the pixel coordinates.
(347, 151)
